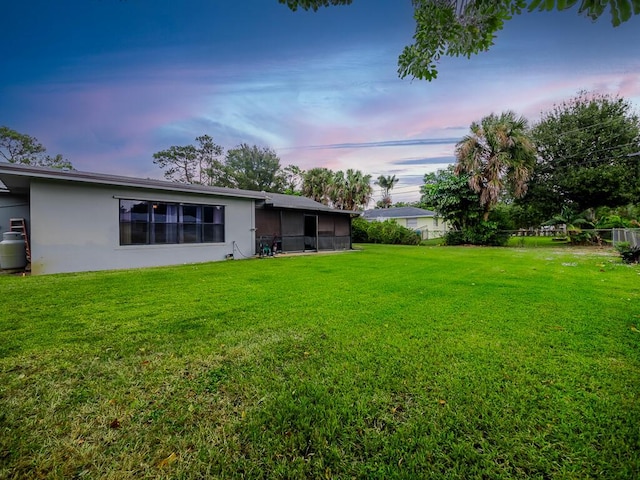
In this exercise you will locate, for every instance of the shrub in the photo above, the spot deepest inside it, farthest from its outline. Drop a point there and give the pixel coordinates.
(484, 233)
(388, 232)
(359, 227)
(629, 253)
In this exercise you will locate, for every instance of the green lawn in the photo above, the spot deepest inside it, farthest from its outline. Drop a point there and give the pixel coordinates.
(390, 362)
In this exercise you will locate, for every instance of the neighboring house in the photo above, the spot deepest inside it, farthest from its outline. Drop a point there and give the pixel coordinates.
(79, 221)
(425, 221)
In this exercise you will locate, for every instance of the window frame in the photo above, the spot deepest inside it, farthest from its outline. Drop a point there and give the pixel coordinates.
(170, 228)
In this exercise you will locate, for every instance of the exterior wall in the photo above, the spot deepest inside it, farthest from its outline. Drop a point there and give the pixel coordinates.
(429, 229)
(76, 228)
(13, 206)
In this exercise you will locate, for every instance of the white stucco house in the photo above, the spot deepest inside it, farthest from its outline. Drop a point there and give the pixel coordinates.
(80, 221)
(428, 223)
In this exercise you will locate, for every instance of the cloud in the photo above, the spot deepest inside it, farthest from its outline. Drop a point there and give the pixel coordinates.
(425, 161)
(383, 143)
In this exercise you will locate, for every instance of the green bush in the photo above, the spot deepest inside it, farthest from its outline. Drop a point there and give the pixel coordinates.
(359, 227)
(388, 232)
(484, 233)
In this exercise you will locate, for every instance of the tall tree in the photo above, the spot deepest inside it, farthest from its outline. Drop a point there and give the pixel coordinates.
(253, 168)
(317, 184)
(293, 178)
(386, 183)
(498, 156)
(466, 27)
(345, 191)
(20, 148)
(357, 190)
(450, 195)
(588, 155)
(194, 164)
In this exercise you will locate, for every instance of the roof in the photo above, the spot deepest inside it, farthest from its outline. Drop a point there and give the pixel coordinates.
(400, 212)
(280, 200)
(17, 178)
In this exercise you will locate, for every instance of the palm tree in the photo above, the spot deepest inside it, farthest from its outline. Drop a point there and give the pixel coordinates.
(317, 184)
(386, 183)
(499, 153)
(358, 190)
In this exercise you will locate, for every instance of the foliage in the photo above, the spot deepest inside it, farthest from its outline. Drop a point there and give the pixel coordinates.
(253, 168)
(293, 176)
(586, 155)
(245, 167)
(387, 232)
(451, 197)
(349, 191)
(386, 183)
(498, 155)
(392, 362)
(482, 233)
(316, 184)
(24, 149)
(194, 164)
(467, 27)
(629, 253)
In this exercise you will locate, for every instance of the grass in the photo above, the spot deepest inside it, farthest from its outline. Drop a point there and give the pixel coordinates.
(390, 362)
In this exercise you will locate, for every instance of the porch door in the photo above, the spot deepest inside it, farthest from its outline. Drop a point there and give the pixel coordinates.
(310, 232)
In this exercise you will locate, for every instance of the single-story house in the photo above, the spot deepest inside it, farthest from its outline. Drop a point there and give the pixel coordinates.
(80, 221)
(424, 221)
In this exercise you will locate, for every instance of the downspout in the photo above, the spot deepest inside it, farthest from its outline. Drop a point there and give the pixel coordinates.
(253, 227)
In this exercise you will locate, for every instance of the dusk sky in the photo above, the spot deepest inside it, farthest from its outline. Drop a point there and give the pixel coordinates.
(106, 83)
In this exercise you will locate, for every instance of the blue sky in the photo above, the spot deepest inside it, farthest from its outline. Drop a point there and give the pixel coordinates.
(106, 83)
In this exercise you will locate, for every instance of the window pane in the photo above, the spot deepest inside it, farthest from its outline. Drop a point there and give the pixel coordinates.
(165, 233)
(207, 214)
(134, 211)
(134, 226)
(138, 234)
(218, 215)
(191, 214)
(190, 233)
(213, 233)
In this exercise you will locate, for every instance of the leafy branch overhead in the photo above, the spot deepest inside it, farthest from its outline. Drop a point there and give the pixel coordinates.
(467, 27)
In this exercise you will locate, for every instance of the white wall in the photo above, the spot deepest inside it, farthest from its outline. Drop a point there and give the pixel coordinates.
(75, 228)
(12, 206)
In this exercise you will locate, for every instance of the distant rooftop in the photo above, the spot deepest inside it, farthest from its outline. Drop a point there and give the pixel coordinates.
(399, 212)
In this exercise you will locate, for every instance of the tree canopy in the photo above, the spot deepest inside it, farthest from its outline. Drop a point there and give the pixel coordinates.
(467, 27)
(345, 191)
(499, 156)
(195, 164)
(246, 167)
(253, 168)
(588, 155)
(20, 148)
(386, 183)
(450, 195)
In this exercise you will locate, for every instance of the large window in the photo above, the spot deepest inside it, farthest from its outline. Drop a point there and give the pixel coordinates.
(148, 223)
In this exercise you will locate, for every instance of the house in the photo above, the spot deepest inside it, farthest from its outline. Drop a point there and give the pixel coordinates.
(425, 221)
(81, 221)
